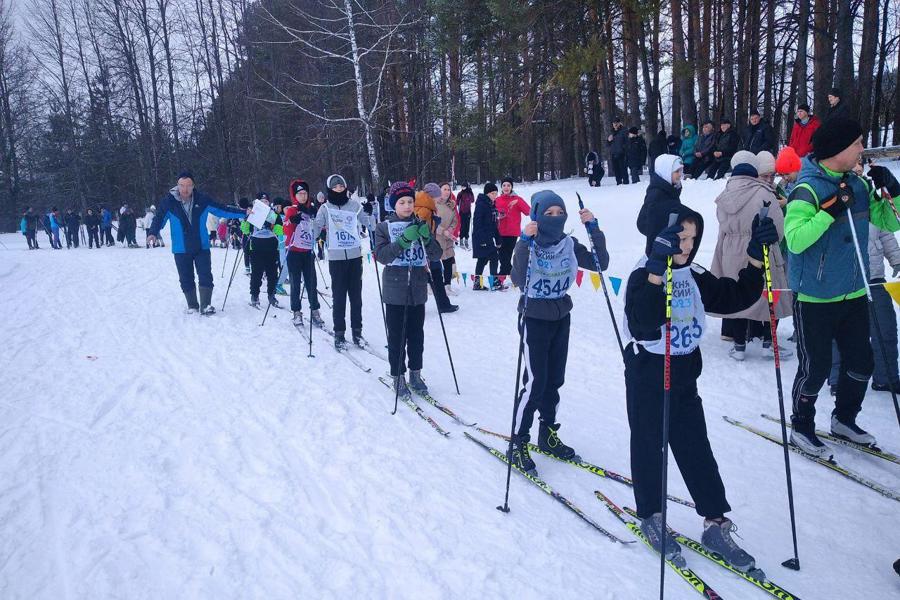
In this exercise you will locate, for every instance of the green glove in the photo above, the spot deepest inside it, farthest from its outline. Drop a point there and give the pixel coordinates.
(245, 227)
(424, 233)
(409, 237)
(278, 230)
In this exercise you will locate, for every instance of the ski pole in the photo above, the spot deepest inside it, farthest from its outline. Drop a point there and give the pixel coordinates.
(310, 355)
(612, 315)
(402, 362)
(791, 563)
(667, 391)
(872, 314)
(233, 269)
(328, 304)
(319, 265)
(517, 396)
(446, 342)
(378, 281)
(266, 314)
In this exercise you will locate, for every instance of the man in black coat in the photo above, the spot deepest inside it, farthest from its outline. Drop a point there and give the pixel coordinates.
(636, 154)
(73, 223)
(92, 223)
(759, 136)
(727, 143)
(617, 141)
(703, 149)
(657, 146)
(838, 108)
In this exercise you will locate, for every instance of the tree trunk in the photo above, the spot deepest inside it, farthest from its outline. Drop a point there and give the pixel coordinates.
(727, 36)
(682, 71)
(870, 25)
(768, 86)
(823, 50)
(843, 60)
(879, 77)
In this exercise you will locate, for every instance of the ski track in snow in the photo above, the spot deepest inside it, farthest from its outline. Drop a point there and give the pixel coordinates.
(210, 458)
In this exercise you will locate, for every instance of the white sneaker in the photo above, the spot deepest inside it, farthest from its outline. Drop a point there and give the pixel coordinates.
(736, 354)
(851, 432)
(811, 444)
(451, 291)
(783, 351)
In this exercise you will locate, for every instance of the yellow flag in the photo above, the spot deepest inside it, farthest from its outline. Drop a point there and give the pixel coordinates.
(595, 280)
(893, 288)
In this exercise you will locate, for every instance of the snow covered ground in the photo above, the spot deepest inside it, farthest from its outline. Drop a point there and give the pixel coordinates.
(149, 454)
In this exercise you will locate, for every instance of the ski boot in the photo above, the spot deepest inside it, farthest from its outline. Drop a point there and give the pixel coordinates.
(803, 436)
(358, 340)
(340, 342)
(717, 538)
(192, 304)
(274, 301)
(548, 441)
(851, 431)
(400, 387)
(254, 301)
(298, 318)
(206, 307)
(416, 383)
(279, 289)
(651, 527)
(316, 319)
(738, 352)
(477, 287)
(519, 455)
(450, 308)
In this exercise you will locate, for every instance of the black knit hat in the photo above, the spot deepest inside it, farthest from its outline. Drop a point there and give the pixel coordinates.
(803, 107)
(754, 113)
(489, 187)
(836, 92)
(186, 175)
(507, 180)
(834, 136)
(633, 130)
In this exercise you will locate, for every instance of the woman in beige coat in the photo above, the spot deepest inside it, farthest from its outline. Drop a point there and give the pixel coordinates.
(446, 233)
(745, 194)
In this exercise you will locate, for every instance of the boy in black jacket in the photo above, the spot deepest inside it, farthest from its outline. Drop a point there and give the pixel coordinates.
(547, 260)
(695, 291)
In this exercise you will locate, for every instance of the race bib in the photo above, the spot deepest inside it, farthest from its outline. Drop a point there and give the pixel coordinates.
(303, 238)
(343, 230)
(553, 270)
(413, 256)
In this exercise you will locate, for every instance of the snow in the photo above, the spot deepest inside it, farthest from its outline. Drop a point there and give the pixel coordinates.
(145, 453)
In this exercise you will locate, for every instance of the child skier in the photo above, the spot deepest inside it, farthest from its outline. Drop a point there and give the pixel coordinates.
(341, 217)
(545, 264)
(405, 246)
(695, 291)
(264, 259)
(300, 258)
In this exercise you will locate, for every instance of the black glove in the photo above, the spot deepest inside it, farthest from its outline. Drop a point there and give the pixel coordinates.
(762, 233)
(883, 178)
(666, 244)
(838, 204)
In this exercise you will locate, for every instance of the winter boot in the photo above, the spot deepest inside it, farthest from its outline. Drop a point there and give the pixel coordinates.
(358, 339)
(206, 307)
(769, 351)
(519, 455)
(416, 383)
(738, 352)
(548, 441)
(717, 538)
(298, 318)
(274, 301)
(254, 301)
(340, 342)
(316, 319)
(851, 431)
(803, 436)
(400, 387)
(450, 308)
(651, 527)
(192, 304)
(477, 287)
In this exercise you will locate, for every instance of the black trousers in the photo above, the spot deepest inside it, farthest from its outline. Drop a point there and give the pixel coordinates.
(619, 169)
(415, 337)
(546, 353)
(635, 173)
(718, 167)
(687, 433)
(130, 234)
(699, 165)
(491, 262)
(263, 260)
(346, 282)
(447, 263)
(507, 245)
(186, 263)
(71, 237)
(108, 236)
(302, 267)
(31, 238)
(93, 237)
(465, 220)
(847, 323)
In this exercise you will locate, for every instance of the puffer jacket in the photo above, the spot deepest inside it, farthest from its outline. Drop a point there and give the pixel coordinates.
(882, 245)
(445, 233)
(402, 285)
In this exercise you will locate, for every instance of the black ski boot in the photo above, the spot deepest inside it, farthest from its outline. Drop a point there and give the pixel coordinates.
(340, 342)
(520, 457)
(254, 301)
(416, 383)
(192, 304)
(548, 441)
(206, 307)
(358, 339)
(274, 301)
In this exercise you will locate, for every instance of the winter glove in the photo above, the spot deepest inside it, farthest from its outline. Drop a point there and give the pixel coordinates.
(278, 230)
(666, 244)
(883, 178)
(409, 236)
(762, 233)
(838, 204)
(424, 233)
(245, 227)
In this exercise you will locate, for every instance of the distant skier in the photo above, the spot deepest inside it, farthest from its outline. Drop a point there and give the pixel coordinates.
(92, 224)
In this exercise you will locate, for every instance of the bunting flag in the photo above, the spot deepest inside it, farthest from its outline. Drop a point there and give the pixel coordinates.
(578, 277)
(465, 278)
(490, 281)
(456, 276)
(893, 288)
(595, 280)
(369, 257)
(502, 278)
(616, 284)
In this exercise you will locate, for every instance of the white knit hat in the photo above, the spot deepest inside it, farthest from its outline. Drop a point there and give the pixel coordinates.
(666, 164)
(744, 157)
(766, 163)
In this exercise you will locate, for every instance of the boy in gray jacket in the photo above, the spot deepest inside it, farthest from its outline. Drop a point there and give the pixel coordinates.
(341, 217)
(405, 246)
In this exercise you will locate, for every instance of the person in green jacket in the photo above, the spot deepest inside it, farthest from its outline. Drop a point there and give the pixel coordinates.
(824, 272)
(688, 141)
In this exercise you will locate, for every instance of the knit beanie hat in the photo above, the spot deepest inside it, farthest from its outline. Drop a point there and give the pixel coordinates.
(550, 229)
(507, 180)
(334, 180)
(745, 157)
(489, 187)
(834, 136)
(400, 189)
(766, 162)
(788, 161)
(433, 190)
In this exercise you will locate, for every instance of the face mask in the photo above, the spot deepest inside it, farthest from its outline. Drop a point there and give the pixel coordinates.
(550, 229)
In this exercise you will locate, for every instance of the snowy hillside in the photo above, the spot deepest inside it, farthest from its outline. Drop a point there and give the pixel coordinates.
(145, 453)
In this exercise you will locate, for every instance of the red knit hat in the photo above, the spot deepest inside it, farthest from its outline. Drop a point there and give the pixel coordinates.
(787, 161)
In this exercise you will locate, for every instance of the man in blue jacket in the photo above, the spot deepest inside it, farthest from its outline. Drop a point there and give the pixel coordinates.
(186, 210)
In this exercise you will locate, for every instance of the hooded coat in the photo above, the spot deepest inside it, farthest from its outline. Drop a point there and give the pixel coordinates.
(688, 144)
(485, 237)
(446, 232)
(737, 206)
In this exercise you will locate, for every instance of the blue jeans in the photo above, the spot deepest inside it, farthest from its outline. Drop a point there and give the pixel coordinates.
(186, 262)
